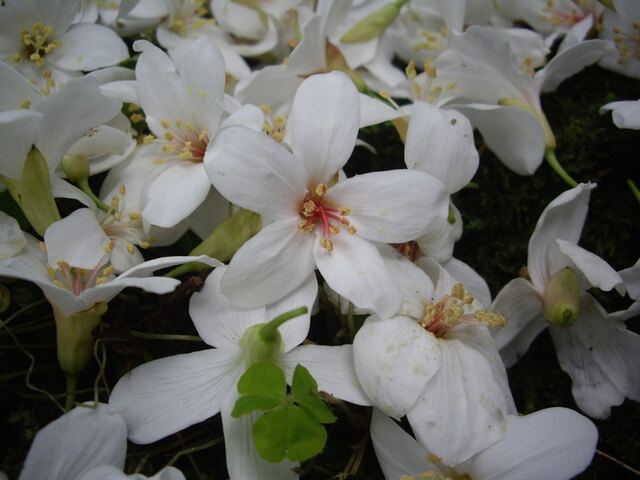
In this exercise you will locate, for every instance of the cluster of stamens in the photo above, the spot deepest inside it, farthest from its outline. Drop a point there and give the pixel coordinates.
(77, 280)
(422, 87)
(627, 44)
(273, 126)
(182, 140)
(189, 15)
(314, 211)
(127, 227)
(448, 312)
(432, 41)
(568, 19)
(37, 44)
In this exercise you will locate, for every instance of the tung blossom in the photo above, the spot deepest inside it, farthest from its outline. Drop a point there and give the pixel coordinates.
(311, 220)
(597, 351)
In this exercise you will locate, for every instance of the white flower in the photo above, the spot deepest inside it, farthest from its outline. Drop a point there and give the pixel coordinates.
(555, 443)
(622, 25)
(86, 443)
(626, 114)
(166, 395)
(435, 362)
(12, 239)
(597, 351)
(39, 35)
(312, 222)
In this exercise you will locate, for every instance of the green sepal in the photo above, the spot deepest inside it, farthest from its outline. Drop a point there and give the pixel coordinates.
(263, 387)
(374, 24)
(33, 192)
(561, 299)
(290, 431)
(224, 241)
(304, 390)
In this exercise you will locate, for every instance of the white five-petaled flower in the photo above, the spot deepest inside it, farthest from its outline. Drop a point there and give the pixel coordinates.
(311, 220)
(436, 363)
(598, 352)
(553, 443)
(166, 395)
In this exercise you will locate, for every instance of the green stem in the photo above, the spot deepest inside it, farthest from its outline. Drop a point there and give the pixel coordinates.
(71, 390)
(268, 331)
(162, 336)
(552, 160)
(83, 184)
(634, 189)
(190, 450)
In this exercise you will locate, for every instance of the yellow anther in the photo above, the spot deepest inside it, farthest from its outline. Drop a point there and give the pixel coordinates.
(158, 161)
(122, 190)
(178, 123)
(308, 208)
(36, 26)
(115, 201)
(266, 109)
(443, 31)
(42, 246)
(452, 86)
(130, 248)
(344, 211)
(108, 271)
(46, 74)
(333, 229)
(133, 107)
(436, 90)
(351, 230)
(186, 155)
(135, 216)
(384, 95)
(137, 117)
(189, 126)
(431, 458)
(35, 56)
(153, 238)
(277, 136)
(279, 121)
(491, 319)
(305, 226)
(108, 248)
(326, 243)
(63, 265)
(148, 139)
(144, 244)
(25, 104)
(428, 35)
(202, 135)
(52, 82)
(321, 189)
(616, 30)
(168, 136)
(345, 222)
(101, 280)
(202, 94)
(411, 70)
(636, 25)
(164, 123)
(51, 271)
(431, 71)
(168, 148)
(58, 283)
(16, 57)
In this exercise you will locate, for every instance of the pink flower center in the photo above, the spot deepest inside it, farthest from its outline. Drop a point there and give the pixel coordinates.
(450, 311)
(315, 211)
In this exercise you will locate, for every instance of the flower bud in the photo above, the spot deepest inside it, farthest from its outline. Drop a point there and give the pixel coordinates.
(75, 167)
(259, 349)
(561, 300)
(374, 24)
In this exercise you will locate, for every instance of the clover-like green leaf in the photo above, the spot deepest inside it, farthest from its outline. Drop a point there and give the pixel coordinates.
(263, 387)
(304, 390)
(288, 430)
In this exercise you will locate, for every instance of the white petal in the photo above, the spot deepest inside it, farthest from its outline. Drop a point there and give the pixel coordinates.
(87, 47)
(164, 396)
(394, 360)
(472, 281)
(601, 356)
(273, 85)
(255, 172)
(270, 265)
(12, 239)
(294, 332)
(562, 219)
(356, 271)
(91, 437)
(324, 123)
(631, 277)
(15, 89)
(243, 461)
(416, 286)
(439, 241)
(219, 322)
(150, 266)
(463, 408)
(513, 134)
(598, 272)
(310, 55)
(333, 369)
(393, 206)
(553, 443)
(77, 239)
(398, 453)
(440, 142)
(626, 114)
(374, 111)
(521, 305)
(176, 193)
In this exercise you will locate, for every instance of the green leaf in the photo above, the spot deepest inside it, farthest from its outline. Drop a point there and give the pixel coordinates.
(290, 431)
(304, 389)
(263, 386)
